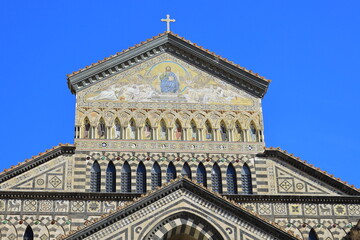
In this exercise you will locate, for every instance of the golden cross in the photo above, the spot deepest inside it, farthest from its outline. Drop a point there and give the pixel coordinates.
(168, 20)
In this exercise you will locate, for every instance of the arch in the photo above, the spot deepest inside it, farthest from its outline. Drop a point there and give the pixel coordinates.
(253, 132)
(186, 171)
(239, 132)
(110, 184)
(117, 129)
(163, 132)
(194, 131)
(209, 132)
(148, 130)
(87, 128)
(183, 224)
(155, 176)
(95, 177)
(178, 130)
(216, 181)
(132, 129)
(231, 179)
(29, 234)
(201, 174)
(246, 180)
(313, 235)
(224, 133)
(101, 128)
(141, 178)
(170, 172)
(126, 178)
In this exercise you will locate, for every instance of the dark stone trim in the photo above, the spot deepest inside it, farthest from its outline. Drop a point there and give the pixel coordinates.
(63, 150)
(176, 47)
(309, 170)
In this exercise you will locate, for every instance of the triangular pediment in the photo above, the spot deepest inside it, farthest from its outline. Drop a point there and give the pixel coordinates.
(178, 47)
(175, 205)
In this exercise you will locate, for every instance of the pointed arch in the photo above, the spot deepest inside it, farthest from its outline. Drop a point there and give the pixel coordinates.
(170, 172)
(155, 176)
(126, 178)
(201, 174)
(194, 131)
(186, 171)
(246, 180)
(132, 129)
(110, 184)
(231, 179)
(239, 132)
(148, 130)
(224, 131)
(216, 181)
(117, 129)
(95, 177)
(141, 178)
(163, 131)
(87, 128)
(209, 132)
(178, 130)
(101, 128)
(253, 132)
(29, 234)
(313, 235)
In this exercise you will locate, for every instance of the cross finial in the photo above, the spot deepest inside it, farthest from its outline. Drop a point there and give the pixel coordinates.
(168, 20)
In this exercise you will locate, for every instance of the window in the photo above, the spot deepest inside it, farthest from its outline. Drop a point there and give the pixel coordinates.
(170, 172)
(163, 130)
(216, 180)
(246, 180)
(148, 130)
(194, 133)
(313, 235)
(95, 177)
(231, 180)
(132, 129)
(141, 178)
(87, 128)
(126, 178)
(29, 234)
(186, 172)
(201, 174)
(239, 132)
(253, 133)
(110, 178)
(223, 132)
(155, 176)
(209, 131)
(117, 129)
(178, 130)
(102, 128)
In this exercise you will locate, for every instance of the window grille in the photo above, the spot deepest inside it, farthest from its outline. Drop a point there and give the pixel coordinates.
(246, 180)
(95, 177)
(170, 172)
(29, 234)
(141, 178)
(186, 172)
(313, 235)
(201, 175)
(216, 180)
(231, 180)
(155, 176)
(110, 185)
(126, 178)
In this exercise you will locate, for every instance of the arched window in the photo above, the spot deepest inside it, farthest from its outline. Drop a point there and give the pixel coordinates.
(223, 132)
(110, 177)
(126, 178)
(87, 128)
(170, 172)
(194, 132)
(231, 180)
(163, 130)
(141, 178)
(201, 174)
(102, 128)
(239, 132)
(95, 177)
(186, 171)
(117, 129)
(313, 235)
(132, 129)
(29, 234)
(216, 181)
(155, 176)
(253, 133)
(246, 180)
(178, 130)
(208, 131)
(148, 130)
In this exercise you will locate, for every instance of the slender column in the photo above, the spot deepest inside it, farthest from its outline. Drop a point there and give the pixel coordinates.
(124, 134)
(200, 132)
(184, 134)
(155, 137)
(139, 135)
(216, 134)
(93, 132)
(171, 134)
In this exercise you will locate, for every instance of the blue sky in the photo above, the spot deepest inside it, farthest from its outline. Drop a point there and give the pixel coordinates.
(309, 49)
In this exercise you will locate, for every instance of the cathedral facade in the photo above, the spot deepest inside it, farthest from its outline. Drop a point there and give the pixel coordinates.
(169, 144)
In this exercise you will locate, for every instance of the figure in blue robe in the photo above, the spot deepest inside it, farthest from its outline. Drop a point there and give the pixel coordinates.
(169, 82)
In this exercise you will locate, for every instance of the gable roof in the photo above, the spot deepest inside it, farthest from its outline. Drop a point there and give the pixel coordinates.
(303, 166)
(175, 45)
(181, 183)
